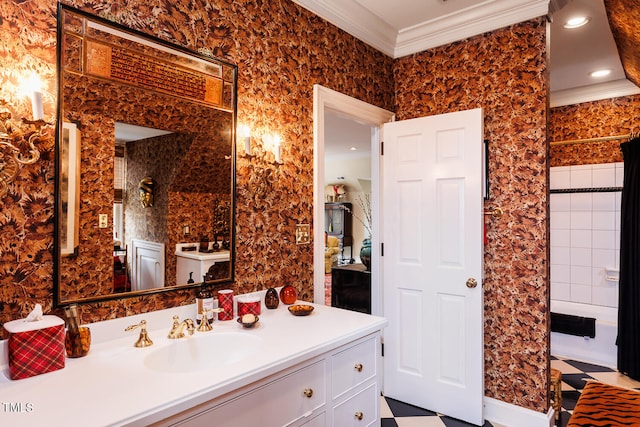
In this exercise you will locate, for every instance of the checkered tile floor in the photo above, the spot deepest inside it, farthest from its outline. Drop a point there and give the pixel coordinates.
(575, 374)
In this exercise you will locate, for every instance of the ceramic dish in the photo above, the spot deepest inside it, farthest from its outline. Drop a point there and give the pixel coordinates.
(248, 320)
(300, 310)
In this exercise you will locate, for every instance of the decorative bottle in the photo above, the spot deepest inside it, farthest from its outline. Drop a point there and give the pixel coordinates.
(271, 299)
(204, 301)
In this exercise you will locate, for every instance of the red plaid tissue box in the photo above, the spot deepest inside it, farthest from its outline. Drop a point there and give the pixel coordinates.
(35, 347)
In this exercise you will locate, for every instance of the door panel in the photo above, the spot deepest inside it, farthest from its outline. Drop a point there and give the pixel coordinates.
(432, 232)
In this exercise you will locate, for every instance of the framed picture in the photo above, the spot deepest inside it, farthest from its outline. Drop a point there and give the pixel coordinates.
(485, 169)
(69, 189)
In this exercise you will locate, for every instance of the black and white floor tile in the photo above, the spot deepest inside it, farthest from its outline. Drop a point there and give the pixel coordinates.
(575, 374)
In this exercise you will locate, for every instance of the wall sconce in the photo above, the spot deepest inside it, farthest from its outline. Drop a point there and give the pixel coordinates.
(12, 138)
(244, 137)
(273, 141)
(32, 87)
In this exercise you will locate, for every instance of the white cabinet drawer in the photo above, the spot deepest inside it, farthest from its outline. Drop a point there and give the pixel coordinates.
(353, 366)
(278, 403)
(316, 421)
(359, 410)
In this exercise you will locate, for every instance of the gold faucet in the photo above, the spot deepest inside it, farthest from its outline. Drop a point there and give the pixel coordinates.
(177, 329)
(143, 339)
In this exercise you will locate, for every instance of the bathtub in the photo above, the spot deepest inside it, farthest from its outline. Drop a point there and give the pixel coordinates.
(602, 349)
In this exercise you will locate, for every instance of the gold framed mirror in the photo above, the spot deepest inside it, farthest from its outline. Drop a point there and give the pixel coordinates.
(145, 164)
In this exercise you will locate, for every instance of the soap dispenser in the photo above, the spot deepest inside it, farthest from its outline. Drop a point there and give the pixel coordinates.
(204, 301)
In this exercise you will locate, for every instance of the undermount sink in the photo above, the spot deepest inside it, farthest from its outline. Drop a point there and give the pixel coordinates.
(201, 353)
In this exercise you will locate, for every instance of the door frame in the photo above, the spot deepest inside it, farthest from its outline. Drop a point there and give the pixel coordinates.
(327, 99)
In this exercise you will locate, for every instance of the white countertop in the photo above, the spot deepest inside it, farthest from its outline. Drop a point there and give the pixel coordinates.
(112, 386)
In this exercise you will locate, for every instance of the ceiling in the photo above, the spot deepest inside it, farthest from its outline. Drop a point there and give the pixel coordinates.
(398, 28)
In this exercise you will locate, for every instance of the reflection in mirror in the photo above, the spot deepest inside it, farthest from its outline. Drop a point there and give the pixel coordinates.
(145, 180)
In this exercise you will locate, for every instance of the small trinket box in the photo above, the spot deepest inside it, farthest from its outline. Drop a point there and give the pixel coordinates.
(35, 347)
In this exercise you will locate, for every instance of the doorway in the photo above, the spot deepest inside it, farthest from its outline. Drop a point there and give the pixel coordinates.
(327, 105)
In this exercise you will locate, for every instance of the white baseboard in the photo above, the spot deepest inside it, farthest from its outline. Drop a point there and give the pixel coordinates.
(510, 415)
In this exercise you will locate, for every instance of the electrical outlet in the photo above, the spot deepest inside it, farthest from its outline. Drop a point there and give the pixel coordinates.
(103, 221)
(303, 232)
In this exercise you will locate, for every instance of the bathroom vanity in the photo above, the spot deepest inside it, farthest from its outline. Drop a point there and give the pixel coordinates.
(318, 370)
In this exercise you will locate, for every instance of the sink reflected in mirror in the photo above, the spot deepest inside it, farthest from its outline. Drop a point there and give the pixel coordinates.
(203, 352)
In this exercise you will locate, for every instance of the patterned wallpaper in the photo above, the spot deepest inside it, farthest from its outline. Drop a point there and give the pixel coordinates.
(609, 117)
(282, 50)
(505, 73)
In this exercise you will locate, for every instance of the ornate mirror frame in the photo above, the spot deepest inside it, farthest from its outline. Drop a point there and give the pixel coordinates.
(110, 75)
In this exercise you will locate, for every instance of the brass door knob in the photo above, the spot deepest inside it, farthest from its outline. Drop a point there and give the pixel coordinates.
(359, 415)
(308, 392)
(359, 367)
(471, 283)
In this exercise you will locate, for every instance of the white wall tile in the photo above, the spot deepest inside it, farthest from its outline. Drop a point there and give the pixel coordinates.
(560, 177)
(581, 220)
(581, 176)
(561, 256)
(585, 233)
(604, 177)
(619, 174)
(580, 257)
(581, 293)
(581, 202)
(603, 220)
(581, 239)
(601, 258)
(605, 296)
(560, 220)
(604, 202)
(560, 202)
(561, 291)
(561, 273)
(561, 238)
(603, 239)
(581, 275)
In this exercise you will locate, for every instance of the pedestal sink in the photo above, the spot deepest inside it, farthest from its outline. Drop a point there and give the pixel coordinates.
(203, 352)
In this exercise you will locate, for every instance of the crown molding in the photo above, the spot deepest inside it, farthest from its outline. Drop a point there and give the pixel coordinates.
(361, 23)
(488, 16)
(356, 20)
(613, 89)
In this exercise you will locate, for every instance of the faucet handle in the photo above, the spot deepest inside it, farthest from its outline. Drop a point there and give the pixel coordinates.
(205, 326)
(143, 339)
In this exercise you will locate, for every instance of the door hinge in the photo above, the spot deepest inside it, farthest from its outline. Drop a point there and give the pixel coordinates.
(382, 249)
(382, 349)
(382, 148)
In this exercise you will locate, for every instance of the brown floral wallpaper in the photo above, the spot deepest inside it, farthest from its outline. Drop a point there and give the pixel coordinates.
(609, 117)
(282, 50)
(512, 88)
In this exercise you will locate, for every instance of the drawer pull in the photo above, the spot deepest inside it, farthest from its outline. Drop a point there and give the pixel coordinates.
(359, 415)
(358, 367)
(308, 392)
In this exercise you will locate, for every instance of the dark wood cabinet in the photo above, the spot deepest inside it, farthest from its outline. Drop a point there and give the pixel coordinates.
(351, 288)
(338, 222)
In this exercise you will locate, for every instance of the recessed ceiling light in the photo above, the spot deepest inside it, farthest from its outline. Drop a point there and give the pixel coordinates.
(600, 73)
(353, 148)
(576, 22)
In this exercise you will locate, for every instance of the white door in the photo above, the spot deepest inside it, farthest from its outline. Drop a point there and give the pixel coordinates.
(433, 253)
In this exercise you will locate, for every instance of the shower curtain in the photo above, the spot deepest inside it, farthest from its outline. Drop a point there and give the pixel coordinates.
(629, 284)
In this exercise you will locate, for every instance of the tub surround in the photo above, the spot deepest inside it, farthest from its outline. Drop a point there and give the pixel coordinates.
(112, 385)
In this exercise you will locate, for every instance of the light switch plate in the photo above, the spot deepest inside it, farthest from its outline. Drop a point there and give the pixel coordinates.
(303, 232)
(103, 221)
